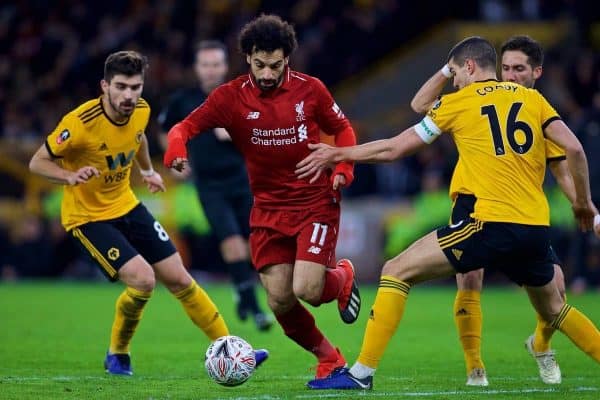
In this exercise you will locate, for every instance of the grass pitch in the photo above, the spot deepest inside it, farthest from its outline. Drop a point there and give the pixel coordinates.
(53, 337)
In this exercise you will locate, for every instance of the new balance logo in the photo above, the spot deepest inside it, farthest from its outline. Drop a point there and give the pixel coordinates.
(462, 311)
(372, 314)
(314, 250)
(103, 147)
(457, 253)
(253, 115)
(302, 133)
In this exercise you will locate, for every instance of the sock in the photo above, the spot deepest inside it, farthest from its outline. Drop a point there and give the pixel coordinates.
(334, 283)
(128, 312)
(202, 311)
(243, 280)
(579, 329)
(299, 325)
(385, 316)
(467, 316)
(361, 371)
(543, 333)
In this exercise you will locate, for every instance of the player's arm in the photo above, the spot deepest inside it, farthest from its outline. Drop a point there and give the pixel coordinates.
(560, 171)
(44, 164)
(149, 175)
(430, 91)
(378, 151)
(214, 112)
(583, 207)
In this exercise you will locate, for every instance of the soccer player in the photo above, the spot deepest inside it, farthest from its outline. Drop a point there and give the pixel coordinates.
(499, 130)
(220, 179)
(522, 59)
(91, 153)
(272, 114)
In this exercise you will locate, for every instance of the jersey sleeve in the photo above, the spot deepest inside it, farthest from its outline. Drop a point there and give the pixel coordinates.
(215, 112)
(438, 120)
(548, 113)
(63, 139)
(554, 152)
(330, 117)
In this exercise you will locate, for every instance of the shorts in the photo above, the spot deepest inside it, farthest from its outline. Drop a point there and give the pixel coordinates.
(227, 211)
(522, 252)
(284, 236)
(111, 243)
(464, 205)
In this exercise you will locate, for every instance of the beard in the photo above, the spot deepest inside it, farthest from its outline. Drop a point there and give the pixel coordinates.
(123, 109)
(267, 85)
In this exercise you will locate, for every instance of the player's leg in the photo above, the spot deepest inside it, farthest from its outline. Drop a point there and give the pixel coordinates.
(468, 319)
(436, 255)
(315, 245)
(540, 340)
(551, 306)
(296, 321)
(228, 215)
(118, 260)
(153, 242)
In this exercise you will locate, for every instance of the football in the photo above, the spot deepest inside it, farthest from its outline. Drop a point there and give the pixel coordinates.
(230, 361)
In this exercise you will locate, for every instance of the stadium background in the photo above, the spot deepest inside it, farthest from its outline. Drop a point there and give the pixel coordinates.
(372, 54)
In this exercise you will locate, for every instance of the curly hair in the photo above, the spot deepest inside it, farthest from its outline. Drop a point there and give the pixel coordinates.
(267, 33)
(128, 63)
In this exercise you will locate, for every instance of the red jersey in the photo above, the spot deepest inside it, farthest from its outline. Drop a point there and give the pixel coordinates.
(272, 130)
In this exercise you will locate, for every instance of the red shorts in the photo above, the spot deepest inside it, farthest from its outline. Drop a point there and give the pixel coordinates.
(284, 236)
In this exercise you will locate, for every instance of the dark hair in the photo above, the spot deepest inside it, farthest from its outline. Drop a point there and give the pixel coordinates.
(128, 63)
(211, 45)
(475, 48)
(530, 47)
(267, 33)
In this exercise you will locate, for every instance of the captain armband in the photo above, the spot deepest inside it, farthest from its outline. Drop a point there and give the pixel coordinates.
(427, 130)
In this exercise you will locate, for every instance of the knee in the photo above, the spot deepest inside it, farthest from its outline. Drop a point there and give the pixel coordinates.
(145, 282)
(234, 249)
(472, 280)
(280, 304)
(309, 292)
(179, 282)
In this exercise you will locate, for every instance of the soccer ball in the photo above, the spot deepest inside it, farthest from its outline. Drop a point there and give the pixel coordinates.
(230, 361)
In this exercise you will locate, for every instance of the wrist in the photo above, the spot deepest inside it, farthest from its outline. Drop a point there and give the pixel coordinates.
(147, 172)
(446, 71)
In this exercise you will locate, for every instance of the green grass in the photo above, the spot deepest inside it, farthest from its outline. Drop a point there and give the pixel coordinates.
(53, 337)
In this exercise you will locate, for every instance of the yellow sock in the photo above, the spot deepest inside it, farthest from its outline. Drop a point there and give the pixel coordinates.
(129, 308)
(202, 311)
(542, 335)
(385, 316)
(580, 330)
(467, 316)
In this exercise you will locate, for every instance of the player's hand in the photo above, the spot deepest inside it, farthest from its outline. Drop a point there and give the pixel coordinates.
(154, 183)
(176, 153)
(315, 163)
(339, 181)
(82, 175)
(597, 225)
(584, 214)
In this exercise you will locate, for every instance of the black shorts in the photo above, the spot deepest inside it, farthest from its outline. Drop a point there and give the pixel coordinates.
(464, 205)
(113, 242)
(521, 252)
(227, 211)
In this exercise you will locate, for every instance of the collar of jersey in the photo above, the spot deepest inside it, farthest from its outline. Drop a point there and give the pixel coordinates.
(108, 118)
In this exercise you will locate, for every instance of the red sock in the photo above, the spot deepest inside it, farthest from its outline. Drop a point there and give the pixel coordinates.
(334, 283)
(299, 325)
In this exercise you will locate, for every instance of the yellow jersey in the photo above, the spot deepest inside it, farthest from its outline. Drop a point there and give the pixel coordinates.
(498, 131)
(553, 153)
(87, 137)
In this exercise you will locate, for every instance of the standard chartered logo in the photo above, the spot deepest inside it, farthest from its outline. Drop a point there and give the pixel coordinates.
(279, 136)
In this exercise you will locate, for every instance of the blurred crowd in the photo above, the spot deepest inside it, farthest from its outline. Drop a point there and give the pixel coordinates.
(52, 54)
